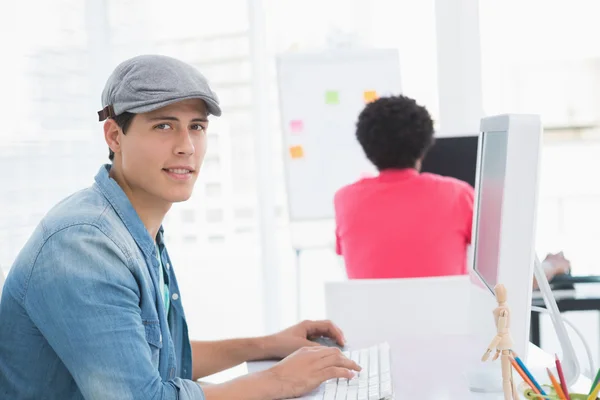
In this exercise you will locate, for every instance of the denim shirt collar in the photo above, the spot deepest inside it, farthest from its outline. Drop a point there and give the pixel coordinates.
(123, 207)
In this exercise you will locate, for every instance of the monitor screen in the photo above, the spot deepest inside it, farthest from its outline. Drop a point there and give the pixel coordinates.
(453, 156)
(488, 219)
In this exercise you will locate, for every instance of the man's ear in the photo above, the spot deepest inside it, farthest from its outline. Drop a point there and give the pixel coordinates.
(111, 135)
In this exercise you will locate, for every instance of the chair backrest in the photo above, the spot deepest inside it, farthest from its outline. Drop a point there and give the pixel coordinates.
(371, 311)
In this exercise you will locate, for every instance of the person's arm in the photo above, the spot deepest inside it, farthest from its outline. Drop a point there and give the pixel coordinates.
(255, 386)
(295, 376)
(84, 300)
(337, 207)
(211, 357)
(467, 200)
(338, 243)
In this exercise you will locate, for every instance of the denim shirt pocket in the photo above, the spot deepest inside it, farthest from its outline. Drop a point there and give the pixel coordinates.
(154, 339)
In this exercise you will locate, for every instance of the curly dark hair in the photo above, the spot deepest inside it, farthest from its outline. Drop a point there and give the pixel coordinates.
(394, 132)
(123, 120)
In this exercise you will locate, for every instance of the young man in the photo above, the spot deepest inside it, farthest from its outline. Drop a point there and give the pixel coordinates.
(402, 223)
(91, 307)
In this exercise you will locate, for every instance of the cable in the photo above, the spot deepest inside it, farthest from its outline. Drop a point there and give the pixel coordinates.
(577, 331)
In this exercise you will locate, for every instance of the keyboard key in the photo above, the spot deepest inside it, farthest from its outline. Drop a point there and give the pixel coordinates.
(363, 393)
(373, 382)
(352, 393)
(329, 394)
(384, 353)
(373, 362)
(341, 393)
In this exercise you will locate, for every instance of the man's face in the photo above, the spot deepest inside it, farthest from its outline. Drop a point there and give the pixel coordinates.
(161, 153)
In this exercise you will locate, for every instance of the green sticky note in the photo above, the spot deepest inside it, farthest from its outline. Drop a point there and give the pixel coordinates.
(332, 97)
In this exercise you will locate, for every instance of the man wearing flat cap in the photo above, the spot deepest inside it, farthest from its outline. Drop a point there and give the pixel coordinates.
(91, 308)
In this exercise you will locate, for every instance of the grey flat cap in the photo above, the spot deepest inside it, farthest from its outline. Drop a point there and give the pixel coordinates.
(149, 82)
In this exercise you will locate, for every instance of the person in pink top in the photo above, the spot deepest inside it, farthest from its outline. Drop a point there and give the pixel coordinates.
(401, 223)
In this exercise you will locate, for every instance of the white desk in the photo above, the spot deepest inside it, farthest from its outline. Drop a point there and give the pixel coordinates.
(434, 368)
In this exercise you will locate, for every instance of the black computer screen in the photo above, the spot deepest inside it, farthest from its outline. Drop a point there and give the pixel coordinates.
(453, 156)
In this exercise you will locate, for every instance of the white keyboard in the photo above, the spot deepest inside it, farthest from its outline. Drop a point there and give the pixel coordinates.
(373, 382)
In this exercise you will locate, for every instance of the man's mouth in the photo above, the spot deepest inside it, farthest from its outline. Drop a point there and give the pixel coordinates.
(177, 170)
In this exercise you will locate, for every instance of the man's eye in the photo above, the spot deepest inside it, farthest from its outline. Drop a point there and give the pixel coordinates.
(162, 126)
(198, 127)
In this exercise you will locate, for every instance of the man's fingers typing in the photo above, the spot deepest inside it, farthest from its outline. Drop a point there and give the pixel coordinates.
(336, 372)
(339, 360)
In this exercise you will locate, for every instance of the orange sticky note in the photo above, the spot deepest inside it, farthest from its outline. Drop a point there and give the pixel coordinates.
(370, 95)
(296, 152)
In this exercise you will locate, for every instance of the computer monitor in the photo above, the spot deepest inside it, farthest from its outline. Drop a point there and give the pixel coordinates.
(453, 156)
(504, 221)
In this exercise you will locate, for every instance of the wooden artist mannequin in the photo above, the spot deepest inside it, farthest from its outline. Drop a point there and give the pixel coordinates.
(503, 343)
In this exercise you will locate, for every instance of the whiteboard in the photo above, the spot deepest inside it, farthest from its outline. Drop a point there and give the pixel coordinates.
(320, 98)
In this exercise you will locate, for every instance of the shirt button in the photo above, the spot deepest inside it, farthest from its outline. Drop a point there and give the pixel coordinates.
(175, 296)
(168, 266)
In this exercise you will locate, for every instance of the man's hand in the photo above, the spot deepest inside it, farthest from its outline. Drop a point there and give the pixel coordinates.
(284, 343)
(306, 369)
(292, 377)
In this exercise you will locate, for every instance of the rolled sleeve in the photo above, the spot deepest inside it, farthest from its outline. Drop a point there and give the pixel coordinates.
(84, 299)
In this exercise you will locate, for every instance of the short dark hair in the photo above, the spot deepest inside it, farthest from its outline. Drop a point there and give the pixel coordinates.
(394, 132)
(123, 120)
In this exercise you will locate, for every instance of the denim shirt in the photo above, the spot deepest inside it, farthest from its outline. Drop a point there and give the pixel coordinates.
(81, 314)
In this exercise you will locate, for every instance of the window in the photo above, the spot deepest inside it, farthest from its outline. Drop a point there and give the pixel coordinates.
(188, 216)
(212, 164)
(214, 215)
(213, 190)
(190, 239)
(243, 213)
(216, 239)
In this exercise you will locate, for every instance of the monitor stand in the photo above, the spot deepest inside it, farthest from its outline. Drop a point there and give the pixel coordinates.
(570, 363)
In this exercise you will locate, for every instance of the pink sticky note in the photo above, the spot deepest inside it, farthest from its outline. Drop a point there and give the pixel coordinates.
(296, 126)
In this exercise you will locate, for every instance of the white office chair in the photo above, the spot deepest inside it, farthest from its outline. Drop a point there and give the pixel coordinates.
(372, 311)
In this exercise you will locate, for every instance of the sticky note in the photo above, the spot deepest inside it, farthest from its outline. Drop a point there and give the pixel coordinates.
(370, 95)
(332, 97)
(296, 152)
(296, 126)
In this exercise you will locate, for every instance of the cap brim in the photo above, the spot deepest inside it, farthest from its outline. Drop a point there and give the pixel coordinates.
(212, 106)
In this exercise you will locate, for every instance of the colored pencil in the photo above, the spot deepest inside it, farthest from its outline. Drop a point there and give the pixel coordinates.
(595, 381)
(594, 393)
(556, 385)
(524, 375)
(531, 378)
(561, 376)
